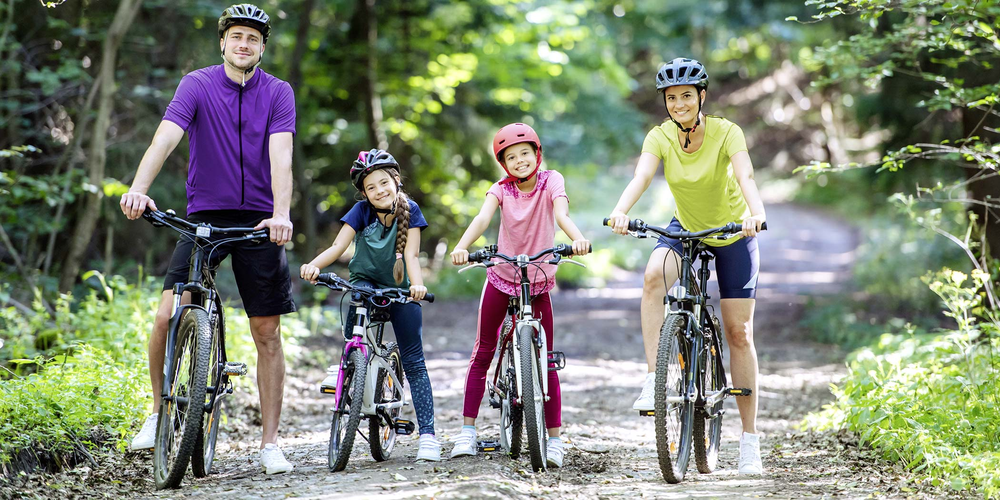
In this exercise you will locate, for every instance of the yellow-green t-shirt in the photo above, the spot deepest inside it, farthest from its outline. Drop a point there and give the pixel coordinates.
(704, 186)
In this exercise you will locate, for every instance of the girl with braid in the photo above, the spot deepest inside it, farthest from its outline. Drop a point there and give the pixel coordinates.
(385, 228)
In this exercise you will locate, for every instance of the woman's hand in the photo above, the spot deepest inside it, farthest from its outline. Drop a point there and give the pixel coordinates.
(581, 247)
(751, 225)
(417, 292)
(619, 222)
(309, 272)
(459, 256)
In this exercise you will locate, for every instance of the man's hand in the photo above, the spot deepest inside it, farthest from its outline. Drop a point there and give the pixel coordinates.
(459, 256)
(281, 229)
(134, 204)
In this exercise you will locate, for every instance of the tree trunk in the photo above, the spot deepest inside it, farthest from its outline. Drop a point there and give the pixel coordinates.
(308, 209)
(373, 102)
(84, 230)
(980, 123)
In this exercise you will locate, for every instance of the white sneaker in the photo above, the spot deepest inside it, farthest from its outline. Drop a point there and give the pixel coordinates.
(272, 460)
(647, 400)
(554, 452)
(750, 463)
(147, 435)
(430, 448)
(465, 444)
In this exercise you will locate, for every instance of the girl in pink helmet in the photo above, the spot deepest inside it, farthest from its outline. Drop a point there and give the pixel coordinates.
(529, 199)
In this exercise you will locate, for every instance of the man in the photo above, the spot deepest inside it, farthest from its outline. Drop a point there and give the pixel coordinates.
(240, 122)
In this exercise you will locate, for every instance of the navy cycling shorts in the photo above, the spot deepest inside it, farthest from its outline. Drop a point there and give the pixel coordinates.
(261, 269)
(737, 265)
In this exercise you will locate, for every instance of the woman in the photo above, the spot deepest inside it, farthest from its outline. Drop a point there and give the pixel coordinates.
(710, 175)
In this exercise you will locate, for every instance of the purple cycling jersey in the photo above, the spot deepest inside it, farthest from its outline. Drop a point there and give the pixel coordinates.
(228, 130)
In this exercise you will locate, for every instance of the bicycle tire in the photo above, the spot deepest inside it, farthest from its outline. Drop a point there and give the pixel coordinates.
(532, 398)
(382, 437)
(511, 411)
(193, 353)
(673, 442)
(347, 415)
(204, 453)
(708, 438)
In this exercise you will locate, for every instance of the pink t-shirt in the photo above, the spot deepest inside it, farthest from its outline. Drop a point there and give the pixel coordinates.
(527, 225)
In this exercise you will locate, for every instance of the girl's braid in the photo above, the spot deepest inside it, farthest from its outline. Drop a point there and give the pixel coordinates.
(402, 226)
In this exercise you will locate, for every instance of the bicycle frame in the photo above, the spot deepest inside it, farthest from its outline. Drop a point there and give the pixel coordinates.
(363, 338)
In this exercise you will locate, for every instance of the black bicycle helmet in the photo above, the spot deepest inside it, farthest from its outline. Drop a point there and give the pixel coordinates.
(682, 71)
(245, 14)
(368, 162)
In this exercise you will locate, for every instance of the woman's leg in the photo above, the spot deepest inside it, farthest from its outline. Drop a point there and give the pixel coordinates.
(737, 316)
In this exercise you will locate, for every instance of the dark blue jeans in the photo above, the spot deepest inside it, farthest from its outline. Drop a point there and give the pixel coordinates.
(407, 323)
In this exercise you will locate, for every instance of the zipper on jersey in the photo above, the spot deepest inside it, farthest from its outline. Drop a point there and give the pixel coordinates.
(239, 136)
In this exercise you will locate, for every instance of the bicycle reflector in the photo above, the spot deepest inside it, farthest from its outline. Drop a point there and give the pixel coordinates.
(678, 292)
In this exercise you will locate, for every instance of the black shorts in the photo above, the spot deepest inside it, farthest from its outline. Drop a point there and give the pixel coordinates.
(737, 265)
(261, 269)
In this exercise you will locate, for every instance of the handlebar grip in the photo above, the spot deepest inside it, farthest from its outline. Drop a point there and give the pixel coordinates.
(429, 297)
(327, 278)
(606, 221)
(763, 227)
(564, 249)
(476, 256)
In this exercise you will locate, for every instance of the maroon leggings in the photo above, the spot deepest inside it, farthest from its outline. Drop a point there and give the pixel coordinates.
(492, 310)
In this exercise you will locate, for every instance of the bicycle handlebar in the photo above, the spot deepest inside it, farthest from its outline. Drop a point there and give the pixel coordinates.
(158, 218)
(490, 252)
(639, 225)
(334, 282)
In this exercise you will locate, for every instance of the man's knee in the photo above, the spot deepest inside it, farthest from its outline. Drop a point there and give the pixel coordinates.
(266, 332)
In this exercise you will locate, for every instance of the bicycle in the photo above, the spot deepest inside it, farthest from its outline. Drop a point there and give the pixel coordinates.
(690, 377)
(196, 369)
(518, 379)
(359, 391)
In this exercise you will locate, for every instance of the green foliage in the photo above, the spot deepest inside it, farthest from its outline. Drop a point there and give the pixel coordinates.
(930, 402)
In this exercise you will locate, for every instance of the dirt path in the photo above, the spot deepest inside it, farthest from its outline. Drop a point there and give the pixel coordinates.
(612, 452)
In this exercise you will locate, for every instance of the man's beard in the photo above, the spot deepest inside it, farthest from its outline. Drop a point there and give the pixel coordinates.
(245, 67)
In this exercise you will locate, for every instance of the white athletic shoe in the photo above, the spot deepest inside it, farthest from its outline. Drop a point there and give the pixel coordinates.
(465, 444)
(147, 435)
(750, 463)
(647, 400)
(554, 453)
(430, 448)
(272, 460)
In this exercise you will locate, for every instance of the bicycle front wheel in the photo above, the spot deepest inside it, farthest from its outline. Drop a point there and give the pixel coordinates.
(347, 414)
(382, 434)
(532, 398)
(708, 421)
(179, 426)
(511, 413)
(204, 454)
(674, 413)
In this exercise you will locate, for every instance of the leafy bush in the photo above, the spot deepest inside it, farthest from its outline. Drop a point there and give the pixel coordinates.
(929, 401)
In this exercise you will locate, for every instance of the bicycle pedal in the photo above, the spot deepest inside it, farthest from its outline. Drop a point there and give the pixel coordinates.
(329, 384)
(404, 427)
(494, 403)
(234, 369)
(487, 445)
(732, 391)
(558, 359)
(647, 413)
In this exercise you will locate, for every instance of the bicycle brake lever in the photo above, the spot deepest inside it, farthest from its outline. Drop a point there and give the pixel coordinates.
(472, 266)
(571, 261)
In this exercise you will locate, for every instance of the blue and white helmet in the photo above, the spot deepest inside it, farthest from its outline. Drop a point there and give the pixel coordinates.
(682, 71)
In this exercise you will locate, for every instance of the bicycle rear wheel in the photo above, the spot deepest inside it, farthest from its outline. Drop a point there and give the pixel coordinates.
(532, 398)
(511, 410)
(179, 426)
(673, 418)
(204, 454)
(708, 428)
(381, 434)
(347, 414)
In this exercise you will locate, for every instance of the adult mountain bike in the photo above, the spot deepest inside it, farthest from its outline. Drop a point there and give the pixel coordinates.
(196, 369)
(520, 384)
(369, 381)
(690, 377)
